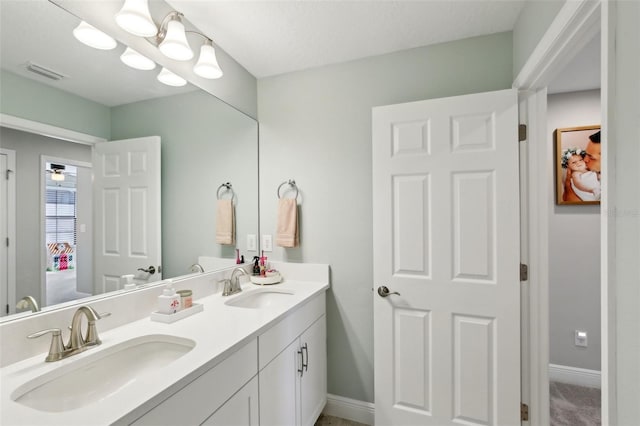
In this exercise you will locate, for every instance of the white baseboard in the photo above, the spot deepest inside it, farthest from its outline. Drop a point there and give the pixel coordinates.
(574, 375)
(350, 409)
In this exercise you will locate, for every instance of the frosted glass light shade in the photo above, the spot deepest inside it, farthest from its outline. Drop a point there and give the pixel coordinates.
(135, 60)
(175, 45)
(207, 65)
(57, 176)
(170, 79)
(134, 17)
(93, 37)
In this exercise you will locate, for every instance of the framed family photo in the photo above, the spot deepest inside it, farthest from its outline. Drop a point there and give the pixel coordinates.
(578, 165)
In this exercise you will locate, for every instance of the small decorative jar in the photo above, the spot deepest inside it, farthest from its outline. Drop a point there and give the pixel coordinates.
(186, 299)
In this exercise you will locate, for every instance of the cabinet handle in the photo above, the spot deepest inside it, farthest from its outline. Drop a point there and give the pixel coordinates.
(300, 370)
(306, 352)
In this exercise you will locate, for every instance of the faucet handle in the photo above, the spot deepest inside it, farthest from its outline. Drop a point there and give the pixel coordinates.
(104, 315)
(57, 346)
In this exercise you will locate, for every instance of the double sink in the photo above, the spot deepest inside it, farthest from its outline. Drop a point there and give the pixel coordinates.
(105, 371)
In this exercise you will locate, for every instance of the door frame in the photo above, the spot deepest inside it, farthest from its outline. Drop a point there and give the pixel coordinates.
(11, 230)
(574, 26)
(44, 159)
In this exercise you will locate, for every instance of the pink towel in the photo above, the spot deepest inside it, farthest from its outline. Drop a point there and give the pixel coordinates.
(287, 230)
(225, 222)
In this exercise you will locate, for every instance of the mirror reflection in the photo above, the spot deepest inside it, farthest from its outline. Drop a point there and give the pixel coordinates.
(204, 143)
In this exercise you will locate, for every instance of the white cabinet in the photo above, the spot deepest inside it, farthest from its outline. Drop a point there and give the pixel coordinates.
(313, 379)
(240, 410)
(293, 386)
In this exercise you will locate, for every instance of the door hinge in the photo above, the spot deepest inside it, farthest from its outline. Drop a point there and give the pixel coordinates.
(524, 412)
(7, 241)
(522, 132)
(524, 272)
(8, 173)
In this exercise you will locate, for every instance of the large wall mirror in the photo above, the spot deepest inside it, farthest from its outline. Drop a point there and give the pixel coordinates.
(204, 143)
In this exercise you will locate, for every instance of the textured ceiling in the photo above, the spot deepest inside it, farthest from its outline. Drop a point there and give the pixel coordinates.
(276, 37)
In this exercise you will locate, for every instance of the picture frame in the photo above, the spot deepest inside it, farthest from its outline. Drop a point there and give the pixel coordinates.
(575, 183)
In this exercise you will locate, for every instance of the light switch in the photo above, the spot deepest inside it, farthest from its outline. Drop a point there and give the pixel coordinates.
(267, 243)
(581, 338)
(251, 242)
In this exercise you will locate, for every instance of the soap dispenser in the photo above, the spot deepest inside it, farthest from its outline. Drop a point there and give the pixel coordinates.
(168, 301)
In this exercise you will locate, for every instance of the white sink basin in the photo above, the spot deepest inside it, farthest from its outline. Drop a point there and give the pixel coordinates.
(260, 298)
(99, 375)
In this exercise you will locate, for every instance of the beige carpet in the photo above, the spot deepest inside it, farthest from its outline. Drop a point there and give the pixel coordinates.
(573, 405)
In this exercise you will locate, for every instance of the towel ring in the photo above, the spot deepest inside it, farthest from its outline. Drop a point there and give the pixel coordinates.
(227, 186)
(290, 182)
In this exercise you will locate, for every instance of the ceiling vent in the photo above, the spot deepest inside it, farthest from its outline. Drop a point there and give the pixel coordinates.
(44, 72)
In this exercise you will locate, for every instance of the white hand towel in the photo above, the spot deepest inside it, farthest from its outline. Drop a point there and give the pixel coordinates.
(225, 223)
(287, 230)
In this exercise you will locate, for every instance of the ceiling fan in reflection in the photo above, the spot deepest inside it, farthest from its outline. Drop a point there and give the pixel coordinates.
(57, 172)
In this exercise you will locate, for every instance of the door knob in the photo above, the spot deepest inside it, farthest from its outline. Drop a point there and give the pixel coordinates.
(150, 270)
(383, 291)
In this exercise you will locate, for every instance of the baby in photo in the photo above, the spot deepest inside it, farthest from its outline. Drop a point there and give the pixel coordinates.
(584, 183)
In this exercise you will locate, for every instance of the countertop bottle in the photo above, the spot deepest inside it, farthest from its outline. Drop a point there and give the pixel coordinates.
(168, 301)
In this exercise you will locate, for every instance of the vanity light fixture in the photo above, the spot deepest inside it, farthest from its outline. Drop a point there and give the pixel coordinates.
(170, 37)
(207, 65)
(135, 60)
(170, 79)
(134, 17)
(93, 37)
(173, 38)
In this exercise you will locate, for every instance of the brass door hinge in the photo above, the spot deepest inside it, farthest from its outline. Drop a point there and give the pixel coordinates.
(524, 412)
(522, 132)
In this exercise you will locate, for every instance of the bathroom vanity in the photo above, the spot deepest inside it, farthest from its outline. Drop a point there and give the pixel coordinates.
(255, 358)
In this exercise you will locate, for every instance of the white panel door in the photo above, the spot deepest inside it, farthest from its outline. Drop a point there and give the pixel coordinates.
(446, 238)
(127, 210)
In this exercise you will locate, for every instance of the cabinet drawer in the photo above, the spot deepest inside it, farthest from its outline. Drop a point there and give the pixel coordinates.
(195, 402)
(278, 337)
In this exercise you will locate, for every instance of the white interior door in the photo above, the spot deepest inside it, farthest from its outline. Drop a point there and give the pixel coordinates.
(446, 238)
(127, 210)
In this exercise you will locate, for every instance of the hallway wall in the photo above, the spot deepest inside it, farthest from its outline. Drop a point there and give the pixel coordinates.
(574, 250)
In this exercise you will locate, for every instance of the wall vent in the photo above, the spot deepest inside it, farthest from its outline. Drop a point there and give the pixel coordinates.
(45, 72)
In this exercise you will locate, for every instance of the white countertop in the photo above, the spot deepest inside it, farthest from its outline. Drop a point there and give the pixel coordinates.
(218, 331)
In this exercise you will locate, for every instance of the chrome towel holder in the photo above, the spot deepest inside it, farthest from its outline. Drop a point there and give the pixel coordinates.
(228, 187)
(291, 183)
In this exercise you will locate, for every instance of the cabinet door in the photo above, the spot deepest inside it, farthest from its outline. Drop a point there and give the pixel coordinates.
(279, 388)
(240, 410)
(313, 392)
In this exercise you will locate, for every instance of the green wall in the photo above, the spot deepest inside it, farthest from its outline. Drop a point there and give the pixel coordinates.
(204, 143)
(32, 100)
(534, 20)
(315, 127)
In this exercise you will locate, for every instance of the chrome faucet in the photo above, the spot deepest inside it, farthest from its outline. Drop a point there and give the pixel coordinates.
(232, 285)
(77, 342)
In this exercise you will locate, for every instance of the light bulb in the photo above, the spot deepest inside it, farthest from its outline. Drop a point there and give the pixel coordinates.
(135, 18)
(175, 45)
(57, 176)
(207, 66)
(135, 60)
(93, 37)
(170, 79)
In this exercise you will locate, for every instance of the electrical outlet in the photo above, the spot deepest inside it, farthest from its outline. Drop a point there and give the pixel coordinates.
(267, 243)
(251, 242)
(581, 338)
